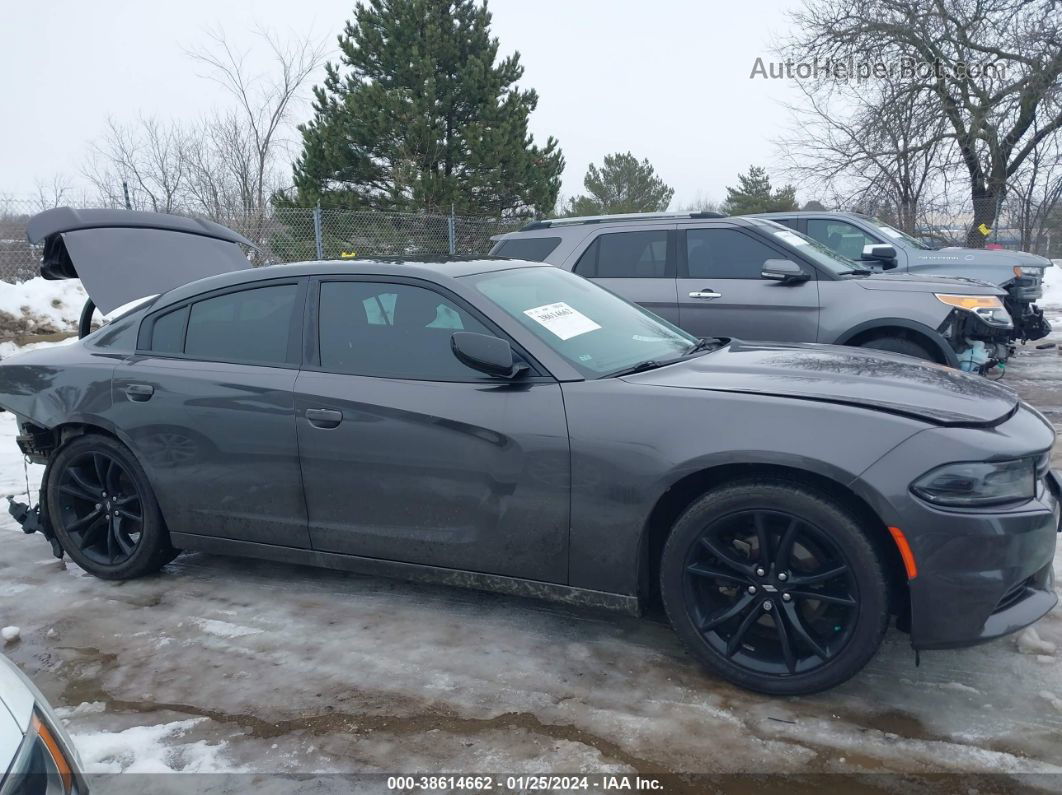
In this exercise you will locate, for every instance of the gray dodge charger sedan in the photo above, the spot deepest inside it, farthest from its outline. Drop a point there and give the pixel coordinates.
(508, 425)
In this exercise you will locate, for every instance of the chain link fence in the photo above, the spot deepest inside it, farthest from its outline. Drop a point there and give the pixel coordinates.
(1020, 223)
(292, 234)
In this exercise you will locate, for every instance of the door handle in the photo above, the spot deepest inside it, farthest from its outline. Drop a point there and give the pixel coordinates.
(139, 393)
(324, 418)
(706, 294)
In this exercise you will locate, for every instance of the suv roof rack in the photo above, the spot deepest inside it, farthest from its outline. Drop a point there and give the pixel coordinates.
(604, 219)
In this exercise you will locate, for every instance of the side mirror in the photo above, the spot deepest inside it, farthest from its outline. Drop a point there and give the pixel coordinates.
(485, 353)
(783, 270)
(881, 252)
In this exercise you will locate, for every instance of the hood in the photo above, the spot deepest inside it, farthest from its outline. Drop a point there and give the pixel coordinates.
(918, 283)
(16, 710)
(956, 255)
(122, 255)
(850, 376)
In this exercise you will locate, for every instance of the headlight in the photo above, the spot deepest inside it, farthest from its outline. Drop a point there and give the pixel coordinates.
(972, 484)
(987, 307)
(41, 767)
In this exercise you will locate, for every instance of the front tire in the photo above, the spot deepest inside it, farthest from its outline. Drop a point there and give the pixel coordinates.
(104, 511)
(900, 345)
(774, 587)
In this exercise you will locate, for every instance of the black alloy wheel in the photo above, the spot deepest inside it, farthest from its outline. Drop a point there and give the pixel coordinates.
(771, 591)
(775, 586)
(101, 508)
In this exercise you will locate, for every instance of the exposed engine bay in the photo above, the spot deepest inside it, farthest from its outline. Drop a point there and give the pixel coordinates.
(983, 344)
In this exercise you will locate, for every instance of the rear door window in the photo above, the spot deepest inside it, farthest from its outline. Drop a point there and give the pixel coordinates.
(626, 255)
(245, 326)
(167, 335)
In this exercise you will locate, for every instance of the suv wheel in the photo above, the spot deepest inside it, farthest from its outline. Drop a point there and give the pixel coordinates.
(900, 345)
(774, 587)
(104, 512)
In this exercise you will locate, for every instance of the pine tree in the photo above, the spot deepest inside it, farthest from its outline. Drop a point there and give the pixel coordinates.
(754, 194)
(621, 185)
(420, 114)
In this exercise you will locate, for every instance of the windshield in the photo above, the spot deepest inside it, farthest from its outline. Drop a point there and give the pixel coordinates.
(895, 234)
(595, 330)
(811, 248)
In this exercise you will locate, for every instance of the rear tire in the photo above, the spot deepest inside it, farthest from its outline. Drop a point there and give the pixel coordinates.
(103, 510)
(774, 587)
(900, 345)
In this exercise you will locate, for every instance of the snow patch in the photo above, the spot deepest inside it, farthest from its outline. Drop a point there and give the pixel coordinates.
(223, 629)
(960, 687)
(1051, 699)
(84, 708)
(39, 306)
(1029, 642)
(151, 749)
(1052, 285)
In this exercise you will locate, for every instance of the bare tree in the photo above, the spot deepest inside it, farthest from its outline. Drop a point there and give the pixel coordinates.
(244, 144)
(702, 203)
(52, 194)
(149, 158)
(866, 146)
(989, 68)
(228, 165)
(1036, 192)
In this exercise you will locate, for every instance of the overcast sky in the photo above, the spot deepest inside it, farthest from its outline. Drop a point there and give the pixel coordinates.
(668, 80)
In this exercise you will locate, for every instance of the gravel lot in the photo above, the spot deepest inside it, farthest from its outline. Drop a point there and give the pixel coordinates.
(222, 665)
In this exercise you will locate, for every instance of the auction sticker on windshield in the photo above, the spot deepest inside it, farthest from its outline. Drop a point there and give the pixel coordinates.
(562, 320)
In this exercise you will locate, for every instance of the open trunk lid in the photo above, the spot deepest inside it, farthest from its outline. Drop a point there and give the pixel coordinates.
(123, 255)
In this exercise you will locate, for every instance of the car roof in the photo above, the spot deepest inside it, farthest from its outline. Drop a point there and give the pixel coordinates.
(436, 269)
(579, 220)
(811, 214)
(562, 227)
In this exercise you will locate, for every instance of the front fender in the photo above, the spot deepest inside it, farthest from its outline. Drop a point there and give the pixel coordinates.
(930, 335)
(630, 443)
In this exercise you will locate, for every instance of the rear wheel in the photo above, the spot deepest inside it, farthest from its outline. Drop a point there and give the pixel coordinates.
(900, 345)
(774, 587)
(104, 512)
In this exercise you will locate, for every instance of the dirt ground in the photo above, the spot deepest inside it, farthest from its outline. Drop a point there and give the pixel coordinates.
(239, 668)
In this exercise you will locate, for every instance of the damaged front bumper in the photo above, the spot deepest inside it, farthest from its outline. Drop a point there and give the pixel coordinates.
(981, 346)
(34, 520)
(36, 445)
(1002, 580)
(1029, 322)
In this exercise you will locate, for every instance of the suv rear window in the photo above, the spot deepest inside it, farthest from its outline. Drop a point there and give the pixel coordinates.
(535, 249)
(626, 255)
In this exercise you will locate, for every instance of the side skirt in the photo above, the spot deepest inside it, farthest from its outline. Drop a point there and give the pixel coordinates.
(411, 571)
